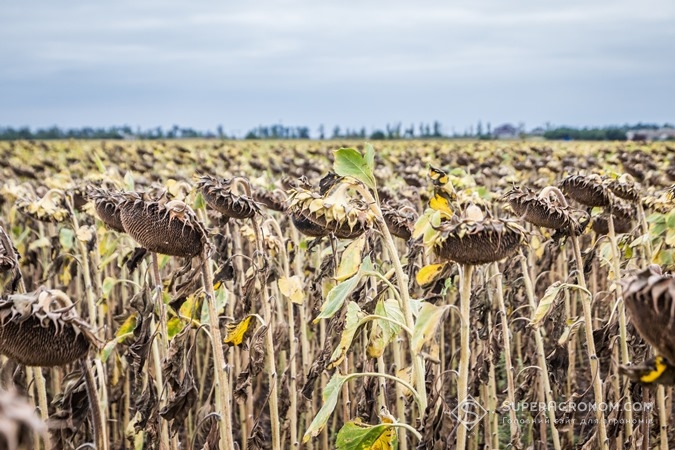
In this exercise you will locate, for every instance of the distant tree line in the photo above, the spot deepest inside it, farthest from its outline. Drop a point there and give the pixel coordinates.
(432, 130)
(117, 132)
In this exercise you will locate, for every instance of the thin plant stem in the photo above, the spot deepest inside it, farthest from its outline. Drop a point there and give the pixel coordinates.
(222, 382)
(465, 271)
(506, 336)
(603, 443)
(544, 385)
(623, 333)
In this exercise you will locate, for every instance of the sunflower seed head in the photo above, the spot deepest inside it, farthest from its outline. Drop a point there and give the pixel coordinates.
(41, 328)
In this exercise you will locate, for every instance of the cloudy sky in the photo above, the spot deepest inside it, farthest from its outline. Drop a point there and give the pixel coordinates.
(355, 63)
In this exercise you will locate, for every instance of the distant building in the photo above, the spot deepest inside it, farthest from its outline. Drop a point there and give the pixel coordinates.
(646, 134)
(505, 131)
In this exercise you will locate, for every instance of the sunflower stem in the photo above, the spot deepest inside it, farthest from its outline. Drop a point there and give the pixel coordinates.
(506, 336)
(419, 375)
(545, 392)
(663, 416)
(623, 333)
(465, 271)
(273, 401)
(92, 393)
(590, 344)
(223, 394)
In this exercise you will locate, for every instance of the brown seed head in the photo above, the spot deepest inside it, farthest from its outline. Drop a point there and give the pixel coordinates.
(41, 328)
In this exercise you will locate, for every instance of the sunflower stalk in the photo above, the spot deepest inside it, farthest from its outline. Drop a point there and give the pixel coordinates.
(404, 302)
(506, 336)
(544, 384)
(623, 333)
(603, 443)
(465, 271)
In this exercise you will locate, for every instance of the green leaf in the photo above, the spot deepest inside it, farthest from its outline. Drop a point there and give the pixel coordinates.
(337, 296)
(383, 331)
(427, 322)
(220, 302)
(199, 202)
(352, 324)
(356, 435)
(670, 219)
(351, 259)
(129, 181)
(330, 397)
(99, 164)
(369, 156)
(66, 238)
(107, 350)
(350, 163)
(546, 303)
(107, 285)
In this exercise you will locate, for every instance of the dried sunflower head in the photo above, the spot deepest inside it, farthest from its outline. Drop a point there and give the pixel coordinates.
(107, 205)
(622, 215)
(170, 228)
(274, 200)
(542, 210)
(587, 190)
(50, 208)
(219, 195)
(337, 211)
(400, 218)
(18, 421)
(41, 328)
(473, 239)
(649, 297)
(625, 188)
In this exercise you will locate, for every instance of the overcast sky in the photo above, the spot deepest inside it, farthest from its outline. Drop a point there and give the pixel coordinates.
(354, 63)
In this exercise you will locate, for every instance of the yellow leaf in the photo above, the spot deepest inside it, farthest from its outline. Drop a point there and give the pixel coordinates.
(429, 273)
(190, 309)
(127, 328)
(174, 326)
(236, 332)
(292, 288)
(438, 177)
(439, 202)
(351, 259)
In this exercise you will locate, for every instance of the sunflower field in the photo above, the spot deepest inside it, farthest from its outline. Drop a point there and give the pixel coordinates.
(278, 295)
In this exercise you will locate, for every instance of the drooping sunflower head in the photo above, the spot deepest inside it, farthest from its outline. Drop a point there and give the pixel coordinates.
(170, 228)
(41, 328)
(622, 215)
(587, 190)
(274, 200)
(50, 208)
(339, 211)
(221, 196)
(400, 218)
(649, 297)
(625, 188)
(543, 209)
(473, 239)
(107, 205)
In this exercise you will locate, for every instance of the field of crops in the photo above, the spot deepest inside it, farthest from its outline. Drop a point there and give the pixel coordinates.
(286, 295)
